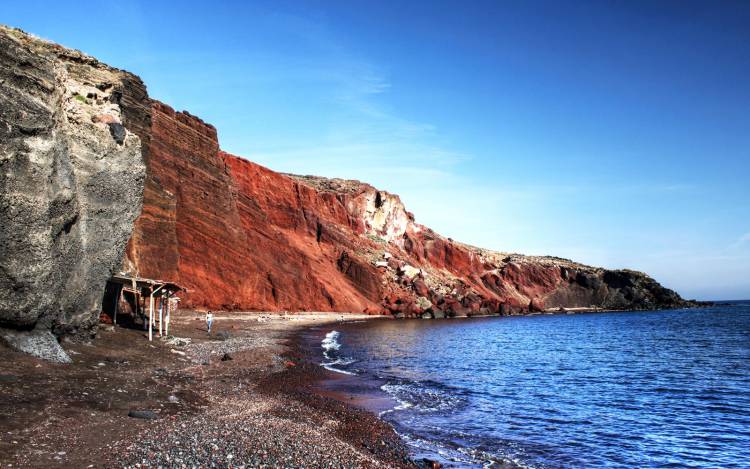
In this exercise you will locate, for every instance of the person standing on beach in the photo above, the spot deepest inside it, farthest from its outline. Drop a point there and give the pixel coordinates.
(209, 320)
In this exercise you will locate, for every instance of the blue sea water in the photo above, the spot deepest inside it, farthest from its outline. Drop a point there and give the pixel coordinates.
(614, 390)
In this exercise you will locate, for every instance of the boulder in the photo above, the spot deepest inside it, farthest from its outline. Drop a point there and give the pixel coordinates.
(423, 303)
(409, 272)
(38, 342)
(536, 305)
(394, 263)
(420, 288)
(143, 414)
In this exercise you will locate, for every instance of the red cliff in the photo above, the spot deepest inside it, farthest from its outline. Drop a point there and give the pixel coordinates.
(241, 236)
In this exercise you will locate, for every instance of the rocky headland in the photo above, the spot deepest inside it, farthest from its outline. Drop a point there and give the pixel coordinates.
(240, 236)
(97, 178)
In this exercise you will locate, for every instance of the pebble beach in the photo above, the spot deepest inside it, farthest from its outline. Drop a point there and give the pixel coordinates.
(242, 397)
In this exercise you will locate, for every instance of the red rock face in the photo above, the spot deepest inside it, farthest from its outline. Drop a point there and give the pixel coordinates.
(240, 236)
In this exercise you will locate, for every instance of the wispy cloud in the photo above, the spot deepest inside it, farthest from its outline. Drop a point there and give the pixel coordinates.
(359, 133)
(742, 241)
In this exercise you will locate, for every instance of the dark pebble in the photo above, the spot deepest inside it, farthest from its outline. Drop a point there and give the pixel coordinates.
(143, 414)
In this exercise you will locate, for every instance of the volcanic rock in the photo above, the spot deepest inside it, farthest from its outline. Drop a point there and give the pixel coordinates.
(143, 414)
(420, 288)
(39, 343)
(69, 192)
(241, 236)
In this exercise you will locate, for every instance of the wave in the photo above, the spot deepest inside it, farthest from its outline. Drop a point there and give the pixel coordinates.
(424, 396)
(416, 398)
(331, 341)
(452, 454)
(333, 362)
(330, 367)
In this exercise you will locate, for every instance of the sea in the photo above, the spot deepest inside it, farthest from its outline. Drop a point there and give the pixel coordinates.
(661, 389)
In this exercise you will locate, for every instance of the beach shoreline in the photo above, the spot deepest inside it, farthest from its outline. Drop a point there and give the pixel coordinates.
(246, 395)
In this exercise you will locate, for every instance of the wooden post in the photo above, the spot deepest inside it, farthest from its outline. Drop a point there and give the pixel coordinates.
(169, 308)
(136, 299)
(160, 303)
(117, 303)
(150, 316)
(161, 315)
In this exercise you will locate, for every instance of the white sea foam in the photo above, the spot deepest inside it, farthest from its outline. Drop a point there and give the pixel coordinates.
(422, 398)
(331, 341)
(337, 370)
(330, 345)
(460, 455)
(394, 390)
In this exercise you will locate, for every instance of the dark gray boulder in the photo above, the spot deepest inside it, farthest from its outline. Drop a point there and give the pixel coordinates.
(38, 342)
(143, 414)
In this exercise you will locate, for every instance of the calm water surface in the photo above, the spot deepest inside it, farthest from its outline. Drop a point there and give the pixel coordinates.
(620, 390)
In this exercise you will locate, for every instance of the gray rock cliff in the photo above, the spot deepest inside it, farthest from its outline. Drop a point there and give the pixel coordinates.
(71, 181)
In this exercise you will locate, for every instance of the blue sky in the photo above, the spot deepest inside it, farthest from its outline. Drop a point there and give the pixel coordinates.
(615, 133)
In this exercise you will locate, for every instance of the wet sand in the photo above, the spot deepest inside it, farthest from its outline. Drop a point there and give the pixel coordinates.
(261, 408)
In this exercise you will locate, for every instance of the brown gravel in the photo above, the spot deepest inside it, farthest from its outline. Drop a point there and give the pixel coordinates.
(256, 410)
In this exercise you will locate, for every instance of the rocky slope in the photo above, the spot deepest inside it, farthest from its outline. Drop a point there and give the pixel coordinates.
(241, 236)
(71, 182)
(82, 146)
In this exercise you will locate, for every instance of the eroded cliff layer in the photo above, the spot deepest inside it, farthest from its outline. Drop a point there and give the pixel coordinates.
(71, 181)
(241, 236)
(237, 235)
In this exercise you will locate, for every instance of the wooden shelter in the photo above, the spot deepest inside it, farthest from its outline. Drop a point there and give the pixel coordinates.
(154, 300)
